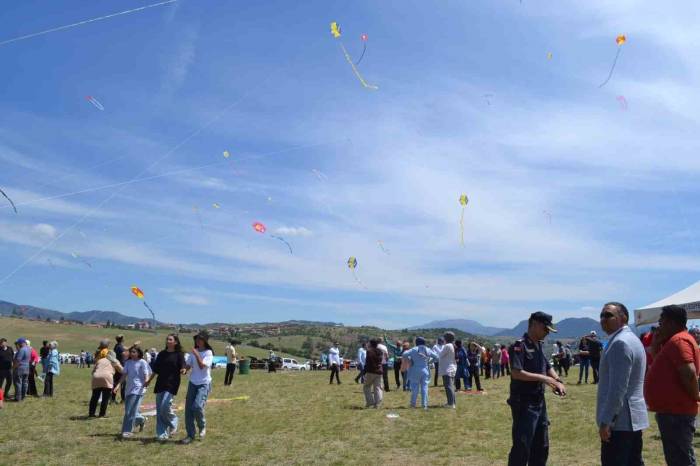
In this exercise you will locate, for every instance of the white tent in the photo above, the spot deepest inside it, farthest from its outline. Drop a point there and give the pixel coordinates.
(689, 299)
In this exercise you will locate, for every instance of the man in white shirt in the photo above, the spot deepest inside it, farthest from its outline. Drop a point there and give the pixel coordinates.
(334, 362)
(385, 365)
(231, 361)
(437, 347)
(448, 369)
(361, 357)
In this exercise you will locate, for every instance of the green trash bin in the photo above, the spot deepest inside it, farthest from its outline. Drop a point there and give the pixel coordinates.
(244, 366)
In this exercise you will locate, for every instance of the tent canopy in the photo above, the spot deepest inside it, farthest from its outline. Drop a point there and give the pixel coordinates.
(689, 299)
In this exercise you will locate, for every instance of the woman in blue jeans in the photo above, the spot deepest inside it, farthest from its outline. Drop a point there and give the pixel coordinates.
(169, 365)
(136, 373)
(199, 360)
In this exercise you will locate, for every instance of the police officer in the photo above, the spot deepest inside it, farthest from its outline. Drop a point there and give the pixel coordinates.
(530, 371)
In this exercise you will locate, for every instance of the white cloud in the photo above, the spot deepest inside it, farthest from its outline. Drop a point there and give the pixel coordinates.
(293, 231)
(44, 229)
(192, 299)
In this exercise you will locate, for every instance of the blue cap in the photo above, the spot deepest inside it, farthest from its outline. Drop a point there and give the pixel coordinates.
(21, 341)
(420, 341)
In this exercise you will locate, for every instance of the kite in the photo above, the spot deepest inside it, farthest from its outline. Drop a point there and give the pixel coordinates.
(94, 102)
(60, 28)
(620, 40)
(139, 294)
(10, 200)
(51, 263)
(549, 55)
(381, 245)
(623, 101)
(363, 37)
(259, 227)
(487, 96)
(284, 241)
(335, 31)
(352, 265)
(464, 200)
(76, 256)
(226, 154)
(548, 214)
(319, 175)
(216, 206)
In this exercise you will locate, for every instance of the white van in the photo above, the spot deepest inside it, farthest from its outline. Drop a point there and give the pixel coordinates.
(292, 364)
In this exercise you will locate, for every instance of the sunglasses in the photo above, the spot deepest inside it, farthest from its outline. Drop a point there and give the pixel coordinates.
(606, 315)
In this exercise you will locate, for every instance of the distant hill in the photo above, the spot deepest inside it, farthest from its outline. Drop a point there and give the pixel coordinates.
(572, 327)
(465, 325)
(32, 312)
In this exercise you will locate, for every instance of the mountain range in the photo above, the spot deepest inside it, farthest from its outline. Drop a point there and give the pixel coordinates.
(572, 327)
(32, 312)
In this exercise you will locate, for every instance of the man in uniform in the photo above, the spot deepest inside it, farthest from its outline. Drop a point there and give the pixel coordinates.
(530, 371)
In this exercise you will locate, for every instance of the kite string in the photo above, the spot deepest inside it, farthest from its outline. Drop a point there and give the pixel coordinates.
(354, 70)
(68, 26)
(117, 191)
(461, 225)
(612, 68)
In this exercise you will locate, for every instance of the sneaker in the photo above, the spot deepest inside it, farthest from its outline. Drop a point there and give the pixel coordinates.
(453, 406)
(127, 435)
(172, 431)
(143, 423)
(187, 440)
(203, 433)
(162, 438)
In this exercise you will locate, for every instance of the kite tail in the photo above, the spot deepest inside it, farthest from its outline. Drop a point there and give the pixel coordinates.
(363, 55)
(8, 198)
(612, 68)
(150, 310)
(358, 280)
(354, 70)
(461, 226)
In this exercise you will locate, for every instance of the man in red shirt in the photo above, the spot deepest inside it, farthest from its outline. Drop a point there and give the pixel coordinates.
(671, 389)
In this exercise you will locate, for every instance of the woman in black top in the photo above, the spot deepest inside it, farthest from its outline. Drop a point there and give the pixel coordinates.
(169, 366)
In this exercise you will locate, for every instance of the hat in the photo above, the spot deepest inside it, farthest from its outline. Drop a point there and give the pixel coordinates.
(544, 318)
(593, 333)
(420, 341)
(21, 341)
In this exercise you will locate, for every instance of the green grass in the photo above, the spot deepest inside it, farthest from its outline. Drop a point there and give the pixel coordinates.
(297, 418)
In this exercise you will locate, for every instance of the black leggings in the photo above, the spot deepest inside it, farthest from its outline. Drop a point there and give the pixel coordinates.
(474, 377)
(6, 375)
(48, 384)
(106, 396)
(335, 370)
(230, 370)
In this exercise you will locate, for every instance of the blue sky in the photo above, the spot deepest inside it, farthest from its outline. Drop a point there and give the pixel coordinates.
(333, 168)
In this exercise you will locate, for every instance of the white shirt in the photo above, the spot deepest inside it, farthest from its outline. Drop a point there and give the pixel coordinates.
(361, 355)
(334, 356)
(385, 352)
(231, 354)
(447, 363)
(200, 376)
(438, 348)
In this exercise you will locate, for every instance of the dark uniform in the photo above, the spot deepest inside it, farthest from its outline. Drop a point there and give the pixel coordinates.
(530, 423)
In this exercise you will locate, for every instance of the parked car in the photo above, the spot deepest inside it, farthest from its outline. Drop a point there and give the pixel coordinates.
(293, 364)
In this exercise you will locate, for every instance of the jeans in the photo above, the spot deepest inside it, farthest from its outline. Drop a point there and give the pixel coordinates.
(361, 374)
(623, 449)
(48, 384)
(335, 370)
(230, 371)
(595, 364)
(437, 367)
(474, 374)
(530, 431)
(373, 390)
(505, 368)
(132, 415)
(21, 385)
(6, 376)
(397, 372)
(165, 416)
(421, 385)
(462, 374)
(496, 369)
(106, 394)
(194, 407)
(583, 367)
(677, 432)
(404, 379)
(385, 377)
(449, 383)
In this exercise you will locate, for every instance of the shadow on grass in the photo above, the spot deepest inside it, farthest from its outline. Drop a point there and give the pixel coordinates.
(81, 418)
(141, 440)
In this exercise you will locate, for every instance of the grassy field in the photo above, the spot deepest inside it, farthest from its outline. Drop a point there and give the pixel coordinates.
(297, 418)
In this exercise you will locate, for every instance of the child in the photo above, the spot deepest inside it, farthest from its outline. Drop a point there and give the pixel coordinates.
(136, 372)
(200, 360)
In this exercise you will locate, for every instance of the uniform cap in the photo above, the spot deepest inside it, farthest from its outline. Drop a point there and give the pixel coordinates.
(545, 318)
